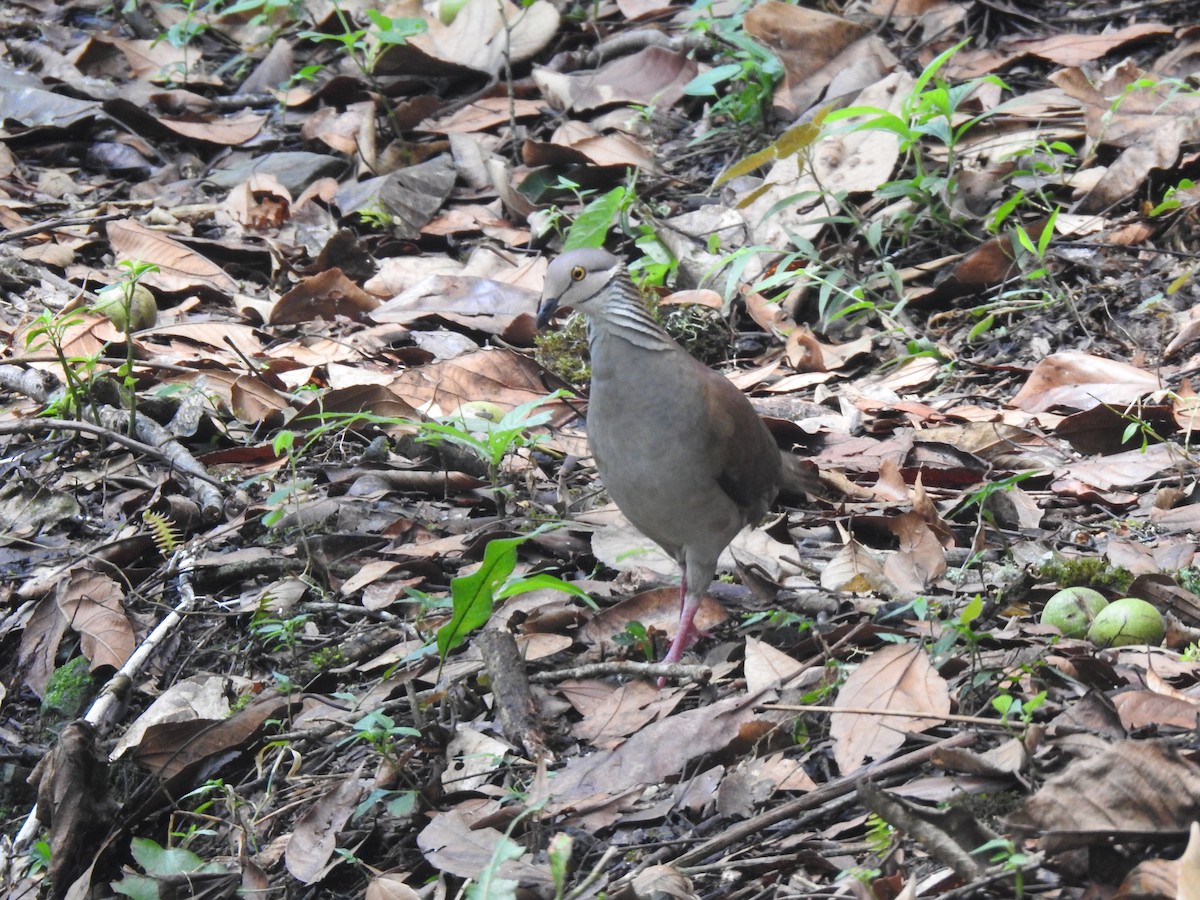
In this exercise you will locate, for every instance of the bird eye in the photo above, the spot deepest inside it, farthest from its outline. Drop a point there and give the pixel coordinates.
(577, 273)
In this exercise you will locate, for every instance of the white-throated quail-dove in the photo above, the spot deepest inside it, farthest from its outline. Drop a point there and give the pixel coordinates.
(679, 448)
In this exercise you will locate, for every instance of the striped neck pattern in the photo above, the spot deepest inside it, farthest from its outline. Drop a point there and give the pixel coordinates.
(623, 314)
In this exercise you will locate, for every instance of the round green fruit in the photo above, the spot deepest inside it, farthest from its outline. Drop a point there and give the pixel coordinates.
(1072, 610)
(1127, 621)
(448, 10)
(139, 311)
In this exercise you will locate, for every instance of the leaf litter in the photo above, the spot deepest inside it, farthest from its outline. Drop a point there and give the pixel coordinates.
(957, 278)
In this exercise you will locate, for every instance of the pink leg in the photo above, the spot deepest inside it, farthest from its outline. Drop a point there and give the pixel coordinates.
(686, 633)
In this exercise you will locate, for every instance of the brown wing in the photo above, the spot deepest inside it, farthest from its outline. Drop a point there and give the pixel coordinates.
(747, 456)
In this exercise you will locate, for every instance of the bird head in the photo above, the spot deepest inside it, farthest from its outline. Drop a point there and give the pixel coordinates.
(577, 279)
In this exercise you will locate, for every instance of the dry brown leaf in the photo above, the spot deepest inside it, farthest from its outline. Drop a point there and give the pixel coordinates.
(452, 844)
(853, 569)
(611, 718)
(1077, 380)
(804, 39)
(1134, 789)
(479, 303)
(314, 837)
(765, 666)
(1188, 874)
(592, 786)
(505, 378)
(91, 605)
(390, 887)
(651, 76)
(663, 883)
(196, 697)
(1076, 49)
(896, 678)
(72, 782)
(327, 295)
(179, 267)
(168, 748)
(920, 559)
(231, 132)
(255, 403)
(1147, 709)
(1121, 469)
(657, 609)
(1149, 124)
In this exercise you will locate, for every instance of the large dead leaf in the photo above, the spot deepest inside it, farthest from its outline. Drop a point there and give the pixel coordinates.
(592, 787)
(179, 268)
(315, 836)
(1130, 109)
(1075, 380)
(452, 843)
(1135, 790)
(897, 678)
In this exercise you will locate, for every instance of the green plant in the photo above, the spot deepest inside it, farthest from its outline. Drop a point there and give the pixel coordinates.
(491, 440)
(39, 856)
(67, 692)
(364, 46)
(637, 639)
(1005, 852)
(474, 596)
(1170, 201)
(276, 633)
(489, 885)
(958, 631)
(929, 112)
(163, 863)
(327, 658)
(186, 29)
(375, 217)
(208, 794)
(380, 731)
(657, 266)
(49, 329)
(743, 86)
(266, 10)
(880, 834)
(1009, 706)
(164, 532)
(1088, 571)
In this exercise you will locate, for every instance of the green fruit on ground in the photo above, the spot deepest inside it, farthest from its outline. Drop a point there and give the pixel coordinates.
(1072, 610)
(1127, 621)
(118, 300)
(448, 10)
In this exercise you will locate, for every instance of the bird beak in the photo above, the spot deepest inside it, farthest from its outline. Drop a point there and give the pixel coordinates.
(546, 310)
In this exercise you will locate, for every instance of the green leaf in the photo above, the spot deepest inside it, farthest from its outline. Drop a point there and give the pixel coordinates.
(972, 610)
(981, 327)
(705, 84)
(474, 595)
(542, 581)
(590, 227)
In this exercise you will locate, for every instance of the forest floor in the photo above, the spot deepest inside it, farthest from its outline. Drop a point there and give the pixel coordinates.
(308, 587)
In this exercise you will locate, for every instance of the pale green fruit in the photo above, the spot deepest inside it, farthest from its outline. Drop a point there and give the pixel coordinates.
(142, 307)
(448, 10)
(1072, 610)
(1127, 621)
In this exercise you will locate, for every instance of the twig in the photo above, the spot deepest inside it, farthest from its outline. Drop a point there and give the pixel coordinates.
(701, 674)
(907, 714)
(826, 792)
